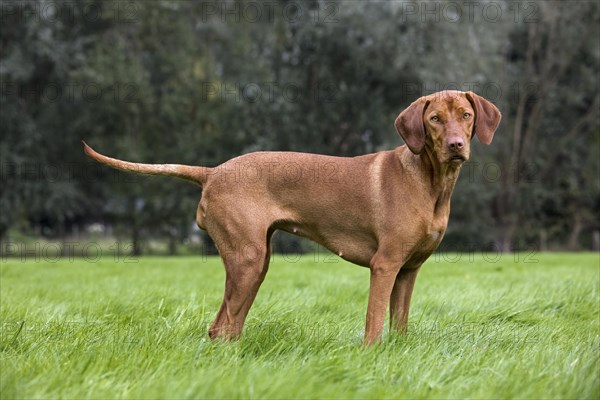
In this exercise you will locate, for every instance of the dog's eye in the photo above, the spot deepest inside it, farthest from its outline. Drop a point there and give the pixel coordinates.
(435, 118)
(467, 115)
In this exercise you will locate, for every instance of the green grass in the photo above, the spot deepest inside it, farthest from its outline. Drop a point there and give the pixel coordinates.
(479, 329)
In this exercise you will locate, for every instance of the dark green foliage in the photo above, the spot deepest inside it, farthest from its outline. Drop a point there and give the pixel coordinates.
(191, 82)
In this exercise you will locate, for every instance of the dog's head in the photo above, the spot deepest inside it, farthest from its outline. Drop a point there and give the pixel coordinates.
(445, 122)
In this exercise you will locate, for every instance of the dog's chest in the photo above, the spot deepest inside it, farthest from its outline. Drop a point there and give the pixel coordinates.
(431, 241)
(432, 237)
(424, 248)
(437, 228)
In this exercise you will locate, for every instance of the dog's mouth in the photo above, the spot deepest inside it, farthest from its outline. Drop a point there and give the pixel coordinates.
(457, 159)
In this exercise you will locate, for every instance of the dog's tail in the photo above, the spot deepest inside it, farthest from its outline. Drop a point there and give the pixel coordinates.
(188, 172)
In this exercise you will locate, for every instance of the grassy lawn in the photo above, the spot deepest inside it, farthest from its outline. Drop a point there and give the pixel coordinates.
(517, 326)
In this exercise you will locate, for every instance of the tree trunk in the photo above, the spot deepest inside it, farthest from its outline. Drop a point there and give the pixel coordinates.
(135, 239)
(506, 241)
(543, 240)
(135, 229)
(573, 243)
(172, 245)
(3, 237)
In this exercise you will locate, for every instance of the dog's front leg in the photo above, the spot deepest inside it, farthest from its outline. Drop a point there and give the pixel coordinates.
(400, 297)
(382, 283)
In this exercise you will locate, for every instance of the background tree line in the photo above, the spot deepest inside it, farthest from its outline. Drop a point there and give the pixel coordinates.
(199, 82)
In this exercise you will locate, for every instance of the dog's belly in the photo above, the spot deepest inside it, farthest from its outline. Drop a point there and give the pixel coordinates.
(351, 245)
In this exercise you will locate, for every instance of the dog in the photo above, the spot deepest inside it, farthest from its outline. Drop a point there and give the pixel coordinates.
(387, 211)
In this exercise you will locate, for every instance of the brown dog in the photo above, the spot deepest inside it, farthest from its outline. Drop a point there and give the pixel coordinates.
(387, 211)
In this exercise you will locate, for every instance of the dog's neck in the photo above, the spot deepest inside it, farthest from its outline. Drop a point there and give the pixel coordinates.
(441, 177)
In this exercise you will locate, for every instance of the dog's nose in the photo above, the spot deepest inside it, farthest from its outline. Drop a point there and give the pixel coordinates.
(456, 143)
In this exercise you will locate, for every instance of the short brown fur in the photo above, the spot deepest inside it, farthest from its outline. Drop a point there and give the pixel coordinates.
(387, 211)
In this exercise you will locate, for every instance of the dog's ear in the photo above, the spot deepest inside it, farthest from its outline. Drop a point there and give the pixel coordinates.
(487, 117)
(409, 125)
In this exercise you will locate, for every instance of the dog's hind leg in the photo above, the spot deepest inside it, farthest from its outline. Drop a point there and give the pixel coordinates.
(246, 267)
